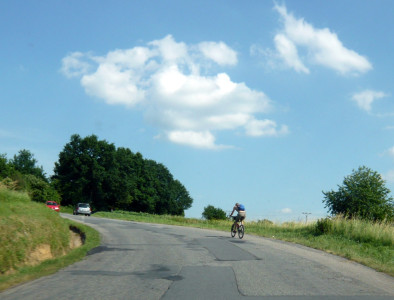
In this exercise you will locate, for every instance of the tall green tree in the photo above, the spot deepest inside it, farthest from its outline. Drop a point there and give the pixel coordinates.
(94, 171)
(85, 171)
(124, 183)
(25, 163)
(363, 194)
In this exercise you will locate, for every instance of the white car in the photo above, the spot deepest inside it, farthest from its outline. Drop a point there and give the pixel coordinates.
(83, 209)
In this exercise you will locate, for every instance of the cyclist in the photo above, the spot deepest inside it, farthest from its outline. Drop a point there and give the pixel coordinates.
(240, 208)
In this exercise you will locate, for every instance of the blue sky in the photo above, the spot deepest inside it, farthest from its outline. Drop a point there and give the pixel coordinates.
(260, 102)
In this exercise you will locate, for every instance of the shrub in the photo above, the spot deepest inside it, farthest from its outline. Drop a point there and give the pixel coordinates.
(265, 222)
(213, 213)
(323, 226)
(39, 190)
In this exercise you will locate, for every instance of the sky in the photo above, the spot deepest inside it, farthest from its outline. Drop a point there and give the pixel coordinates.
(266, 103)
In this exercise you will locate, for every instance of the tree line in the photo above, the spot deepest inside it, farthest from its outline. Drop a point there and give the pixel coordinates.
(94, 171)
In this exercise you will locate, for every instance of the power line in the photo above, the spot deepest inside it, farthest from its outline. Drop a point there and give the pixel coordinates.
(306, 216)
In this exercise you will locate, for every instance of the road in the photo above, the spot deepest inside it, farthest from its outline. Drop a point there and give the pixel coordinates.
(151, 261)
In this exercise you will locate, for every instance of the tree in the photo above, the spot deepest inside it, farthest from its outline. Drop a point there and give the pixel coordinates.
(94, 171)
(363, 195)
(213, 213)
(25, 163)
(181, 198)
(85, 170)
(124, 183)
(5, 167)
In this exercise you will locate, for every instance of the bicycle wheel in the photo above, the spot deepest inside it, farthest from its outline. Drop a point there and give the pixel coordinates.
(233, 230)
(241, 231)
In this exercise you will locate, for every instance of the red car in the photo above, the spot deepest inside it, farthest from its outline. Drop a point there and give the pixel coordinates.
(53, 205)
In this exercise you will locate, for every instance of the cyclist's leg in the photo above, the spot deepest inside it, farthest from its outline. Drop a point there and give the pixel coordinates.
(242, 216)
(234, 226)
(236, 221)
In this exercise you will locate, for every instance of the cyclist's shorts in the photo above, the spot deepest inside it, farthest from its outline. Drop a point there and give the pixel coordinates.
(241, 216)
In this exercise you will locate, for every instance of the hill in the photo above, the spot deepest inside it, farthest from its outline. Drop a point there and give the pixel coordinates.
(35, 241)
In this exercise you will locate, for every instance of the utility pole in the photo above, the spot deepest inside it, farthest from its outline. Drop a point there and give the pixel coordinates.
(306, 216)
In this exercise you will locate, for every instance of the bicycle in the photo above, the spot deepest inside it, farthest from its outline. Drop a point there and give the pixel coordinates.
(237, 227)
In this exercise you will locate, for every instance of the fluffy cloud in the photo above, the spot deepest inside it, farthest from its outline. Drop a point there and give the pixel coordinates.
(219, 53)
(289, 53)
(319, 46)
(365, 99)
(164, 79)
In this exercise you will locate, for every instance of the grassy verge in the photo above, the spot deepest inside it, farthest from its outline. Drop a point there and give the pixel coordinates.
(371, 244)
(26, 225)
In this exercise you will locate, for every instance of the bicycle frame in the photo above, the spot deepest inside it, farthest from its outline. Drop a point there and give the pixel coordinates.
(237, 226)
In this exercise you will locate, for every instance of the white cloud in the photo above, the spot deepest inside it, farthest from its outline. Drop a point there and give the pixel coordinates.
(169, 50)
(265, 128)
(164, 80)
(202, 140)
(321, 46)
(114, 85)
(365, 99)
(73, 65)
(219, 53)
(286, 210)
(288, 51)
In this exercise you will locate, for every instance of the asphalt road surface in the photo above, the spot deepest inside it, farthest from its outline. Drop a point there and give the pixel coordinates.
(150, 261)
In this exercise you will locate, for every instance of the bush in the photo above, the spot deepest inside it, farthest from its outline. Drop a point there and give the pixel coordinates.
(39, 190)
(213, 213)
(265, 222)
(323, 226)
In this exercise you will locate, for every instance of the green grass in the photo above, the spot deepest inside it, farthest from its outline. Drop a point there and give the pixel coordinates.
(371, 244)
(24, 225)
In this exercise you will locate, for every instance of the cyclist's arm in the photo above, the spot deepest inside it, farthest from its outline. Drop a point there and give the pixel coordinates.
(232, 212)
